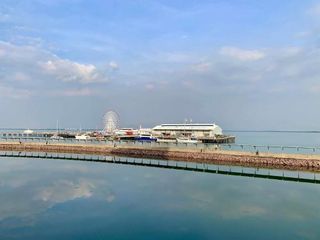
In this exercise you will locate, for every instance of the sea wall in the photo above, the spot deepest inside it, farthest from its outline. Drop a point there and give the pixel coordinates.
(268, 160)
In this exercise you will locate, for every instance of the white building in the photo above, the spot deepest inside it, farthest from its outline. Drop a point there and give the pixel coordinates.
(197, 130)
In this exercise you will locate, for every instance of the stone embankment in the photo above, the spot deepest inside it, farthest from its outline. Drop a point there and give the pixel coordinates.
(268, 160)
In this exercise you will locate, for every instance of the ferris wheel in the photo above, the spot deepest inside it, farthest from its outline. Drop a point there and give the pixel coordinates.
(111, 121)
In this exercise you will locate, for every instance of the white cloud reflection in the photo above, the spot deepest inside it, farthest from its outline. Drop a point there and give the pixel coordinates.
(31, 190)
(64, 190)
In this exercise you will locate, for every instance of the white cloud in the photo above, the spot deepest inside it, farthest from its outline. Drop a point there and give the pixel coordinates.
(68, 71)
(35, 193)
(28, 69)
(77, 92)
(169, 57)
(20, 77)
(16, 93)
(314, 10)
(113, 65)
(291, 51)
(303, 34)
(64, 190)
(150, 86)
(242, 54)
(111, 198)
(244, 211)
(2, 53)
(202, 67)
(176, 57)
(4, 17)
(188, 84)
(315, 89)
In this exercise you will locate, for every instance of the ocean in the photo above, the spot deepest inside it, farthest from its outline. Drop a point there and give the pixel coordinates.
(61, 199)
(281, 138)
(64, 199)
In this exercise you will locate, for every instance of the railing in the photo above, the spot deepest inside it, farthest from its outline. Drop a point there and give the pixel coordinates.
(296, 176)
(152, 144)
(271, 148)
(199, 146)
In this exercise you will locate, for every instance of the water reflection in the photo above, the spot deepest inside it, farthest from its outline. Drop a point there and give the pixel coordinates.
(29, 187)
(46, 199)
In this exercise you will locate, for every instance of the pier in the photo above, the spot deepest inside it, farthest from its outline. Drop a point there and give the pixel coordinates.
(174, 165)
(208, 154)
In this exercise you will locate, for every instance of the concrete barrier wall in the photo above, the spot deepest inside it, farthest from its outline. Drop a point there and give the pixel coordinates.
(282, 161)
(309, 150)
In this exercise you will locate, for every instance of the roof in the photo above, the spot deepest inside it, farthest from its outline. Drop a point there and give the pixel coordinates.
(188, 126)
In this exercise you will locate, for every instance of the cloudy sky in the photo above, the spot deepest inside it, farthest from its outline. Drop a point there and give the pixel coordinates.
(243, 64)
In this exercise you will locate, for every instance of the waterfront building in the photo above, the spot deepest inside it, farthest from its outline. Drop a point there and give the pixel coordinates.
(197, 130)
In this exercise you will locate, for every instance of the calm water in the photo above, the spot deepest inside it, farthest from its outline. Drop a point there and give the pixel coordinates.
(278, 138)
(55, 199)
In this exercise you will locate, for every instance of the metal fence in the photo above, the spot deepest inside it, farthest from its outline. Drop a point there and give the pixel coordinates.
(151, 144)
(272, 148)
(296, 176)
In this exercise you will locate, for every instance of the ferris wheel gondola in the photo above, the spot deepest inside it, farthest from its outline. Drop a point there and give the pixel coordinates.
(111, 122)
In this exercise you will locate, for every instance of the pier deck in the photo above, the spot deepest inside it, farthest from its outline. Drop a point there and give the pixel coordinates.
(214, 156)
(175, 165)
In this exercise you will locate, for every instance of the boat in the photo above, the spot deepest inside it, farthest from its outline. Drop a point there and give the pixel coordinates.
(28, 131)
(56, 137)
(82, 137)
(126, 132)
(145, 137)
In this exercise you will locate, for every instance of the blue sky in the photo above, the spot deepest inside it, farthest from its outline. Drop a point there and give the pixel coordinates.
(243, 64)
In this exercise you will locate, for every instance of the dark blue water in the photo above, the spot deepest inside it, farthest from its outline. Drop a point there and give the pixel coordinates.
(55, 199)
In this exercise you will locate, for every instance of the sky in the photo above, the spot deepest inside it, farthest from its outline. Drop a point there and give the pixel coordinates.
(243, 64)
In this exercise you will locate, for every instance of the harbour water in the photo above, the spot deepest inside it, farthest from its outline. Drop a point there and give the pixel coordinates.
(296, 142)
(281, 138)
(58, 199)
